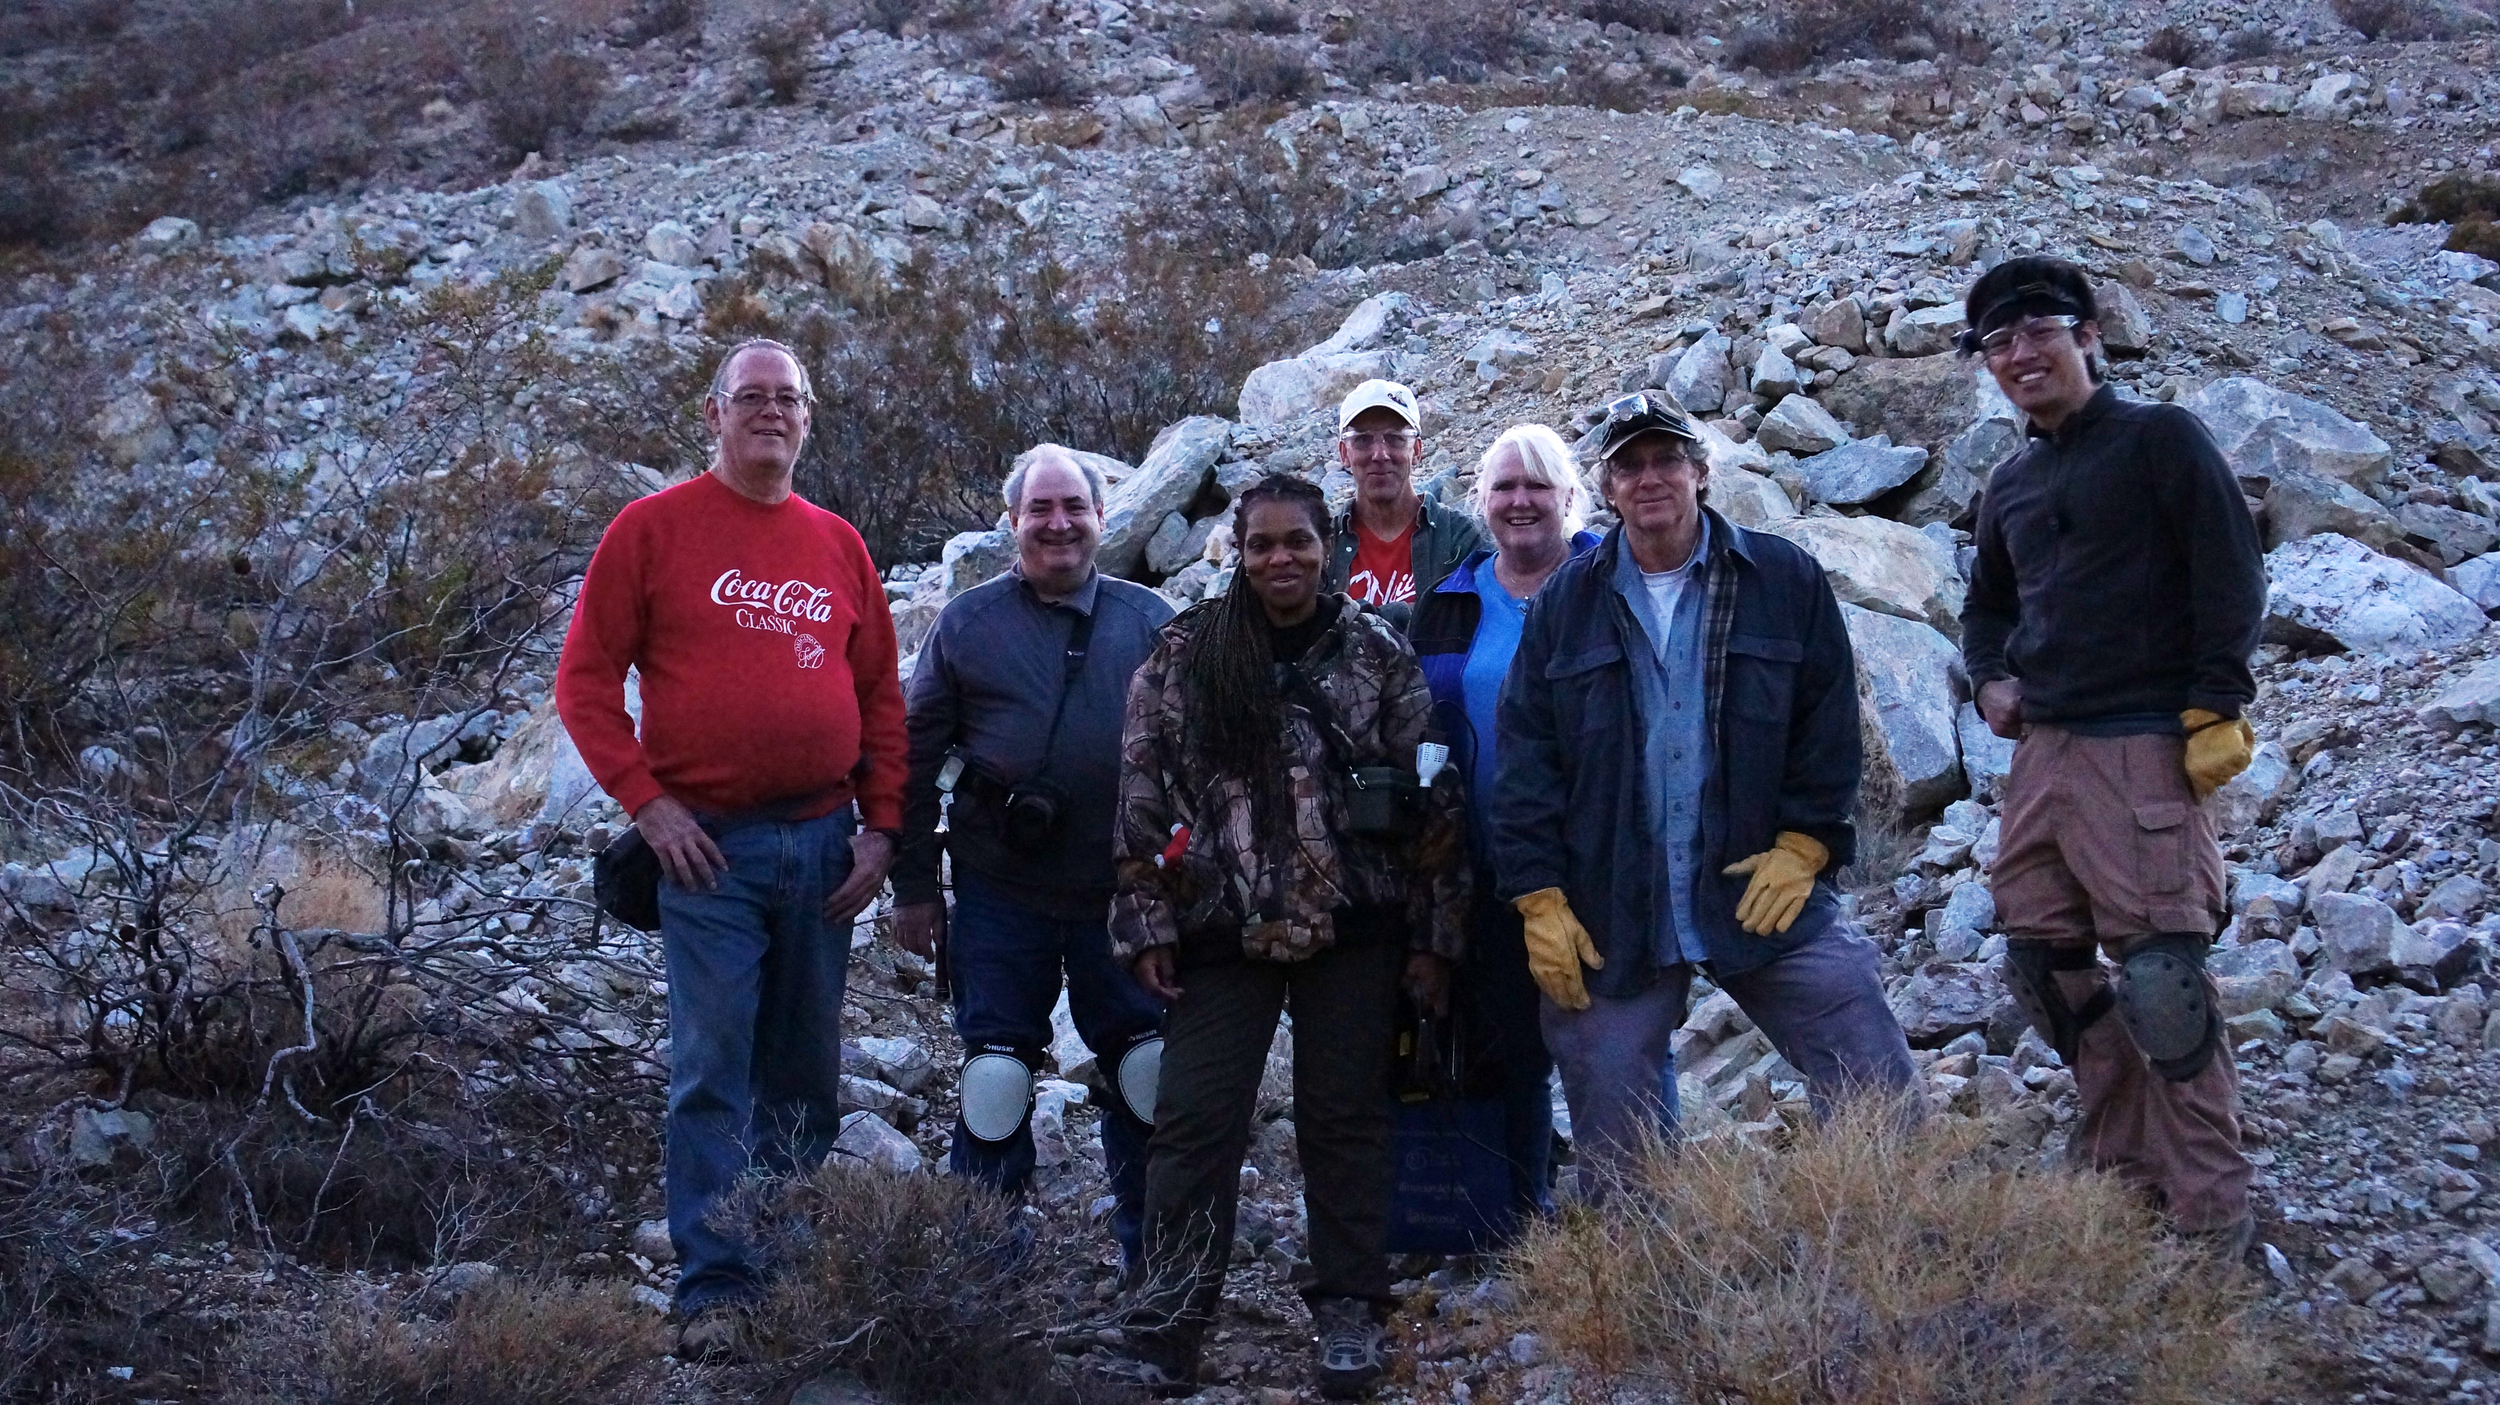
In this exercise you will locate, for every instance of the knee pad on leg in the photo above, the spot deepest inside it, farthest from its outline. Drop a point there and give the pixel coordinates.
(997, 1090)
(1135, 1074)
(2163, 1000)
(2031, 969)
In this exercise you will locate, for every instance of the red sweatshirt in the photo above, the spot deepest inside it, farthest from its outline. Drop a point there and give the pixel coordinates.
(766, 653)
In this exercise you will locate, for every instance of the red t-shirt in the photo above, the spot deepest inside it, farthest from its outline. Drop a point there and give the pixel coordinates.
(1383, 572)
(766, 652)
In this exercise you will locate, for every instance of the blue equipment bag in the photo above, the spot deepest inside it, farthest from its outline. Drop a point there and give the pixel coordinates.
(1452, 1193)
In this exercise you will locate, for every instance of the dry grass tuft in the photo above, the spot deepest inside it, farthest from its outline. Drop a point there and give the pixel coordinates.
(2468, 203)
(524, 1342)
(926, 1288)
(1859, 1265)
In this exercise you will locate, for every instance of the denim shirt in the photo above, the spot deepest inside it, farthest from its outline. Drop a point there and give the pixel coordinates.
(1677, 759)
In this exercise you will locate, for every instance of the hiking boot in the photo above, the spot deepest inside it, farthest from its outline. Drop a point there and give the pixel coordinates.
(1353, 1347)
(716, 1336)
(2227, 1245)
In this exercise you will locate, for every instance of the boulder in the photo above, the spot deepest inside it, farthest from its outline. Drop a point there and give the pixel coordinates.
(673, 244)
(541, 212)
(867, 1137)
(2478, 580)
(1938, 493)
(1174, 472)
(2356, 933)
(2449, 534)
(2126, 329)
(2254, 976)
(2305, 505)
(1774, 375)
(133, 430)
(1799, 426)
(1282, 391)
(1925, 401)
(1944, 1000)
(591, 267)
(1749, 499)
(970, 558)
(1987, 759)
(1702, 378)
(2473, 700)
(1840, 323)
(2266, 433)
(2252, 797)
(1860, 471)
(902, 1063)
(1927, 332)
(166, 233)
(2330, 588)
(2459, 897)
(2433, 953)
(96, 1135)
(1883, 566)
(1906, 697)
(1497, 352)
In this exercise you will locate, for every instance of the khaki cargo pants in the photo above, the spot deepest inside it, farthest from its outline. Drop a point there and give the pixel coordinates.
(2103, 842)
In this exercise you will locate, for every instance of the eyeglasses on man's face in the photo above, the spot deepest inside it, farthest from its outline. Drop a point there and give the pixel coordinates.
(2038, 333)
(1367, 442)
(755, 402)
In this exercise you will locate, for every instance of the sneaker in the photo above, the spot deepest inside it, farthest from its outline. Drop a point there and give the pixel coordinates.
(1353, 1347)
(715, 1336)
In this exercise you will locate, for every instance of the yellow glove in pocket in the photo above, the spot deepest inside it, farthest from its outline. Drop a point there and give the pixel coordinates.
(2218, 748)
(1783, 878)
(1557, 947)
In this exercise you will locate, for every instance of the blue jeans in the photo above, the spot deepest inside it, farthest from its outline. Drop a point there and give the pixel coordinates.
(1006, 962)
(755, 1040)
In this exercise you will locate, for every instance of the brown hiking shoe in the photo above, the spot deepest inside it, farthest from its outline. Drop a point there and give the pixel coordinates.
(716, 1336)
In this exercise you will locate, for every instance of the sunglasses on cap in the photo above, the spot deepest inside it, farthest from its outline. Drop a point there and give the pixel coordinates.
(1626, 417)
(2048, 304)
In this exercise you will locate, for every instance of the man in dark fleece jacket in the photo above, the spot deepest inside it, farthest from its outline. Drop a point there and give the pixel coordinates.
(2118, 593)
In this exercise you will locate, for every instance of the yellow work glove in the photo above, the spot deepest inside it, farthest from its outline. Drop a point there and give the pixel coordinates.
(1783, 878)
(1557, 947)
(2218, 748)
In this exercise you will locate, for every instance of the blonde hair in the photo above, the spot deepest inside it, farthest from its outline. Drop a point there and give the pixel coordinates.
(1547, 460)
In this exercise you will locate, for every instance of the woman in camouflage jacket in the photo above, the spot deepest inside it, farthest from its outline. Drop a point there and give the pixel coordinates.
(1244, 889)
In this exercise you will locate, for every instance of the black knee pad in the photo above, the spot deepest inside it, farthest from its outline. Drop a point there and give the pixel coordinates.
(2030, 973)
(2167, 1009)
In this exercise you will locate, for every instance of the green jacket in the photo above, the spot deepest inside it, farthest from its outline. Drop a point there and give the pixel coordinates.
(1444, 536)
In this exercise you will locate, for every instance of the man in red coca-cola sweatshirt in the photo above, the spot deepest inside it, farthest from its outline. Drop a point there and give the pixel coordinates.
(767, 777)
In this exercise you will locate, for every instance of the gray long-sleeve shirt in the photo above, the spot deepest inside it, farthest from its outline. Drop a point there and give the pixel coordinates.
(988, 680)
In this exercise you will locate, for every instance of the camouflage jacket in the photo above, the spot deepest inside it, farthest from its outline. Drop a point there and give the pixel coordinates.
(1278, 890)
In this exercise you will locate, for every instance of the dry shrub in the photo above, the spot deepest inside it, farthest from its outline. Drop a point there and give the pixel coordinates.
(535, 88)
(1031, 73)
(1796, 34)
(525, 1342)
(1885, 850)
(1411, 40)
(1248, 194)
(2172, 46)
(1645, 16)
(2250, 43)
(2403, 21)
(785, 48)
(2469, 203)
(1259, 17)
(76, 1298)
(927, 1288)
(1239, 68)
(1864, 1265)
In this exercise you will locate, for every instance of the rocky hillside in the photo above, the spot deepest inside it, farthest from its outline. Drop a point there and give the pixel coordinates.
(232, 431)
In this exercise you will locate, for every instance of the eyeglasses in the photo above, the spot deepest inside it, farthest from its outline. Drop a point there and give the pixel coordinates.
(789, 402)
(1366, 443)
(2036, 333)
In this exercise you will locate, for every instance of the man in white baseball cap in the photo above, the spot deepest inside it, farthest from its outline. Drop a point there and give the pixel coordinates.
(1394, 543)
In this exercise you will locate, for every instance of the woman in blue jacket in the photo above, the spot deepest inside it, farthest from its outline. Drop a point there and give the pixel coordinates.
(1529, 495)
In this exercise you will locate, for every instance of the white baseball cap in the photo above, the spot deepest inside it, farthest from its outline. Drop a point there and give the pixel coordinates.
(1379, 395)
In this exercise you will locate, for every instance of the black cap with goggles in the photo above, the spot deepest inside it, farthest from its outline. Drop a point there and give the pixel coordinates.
(1627, 417)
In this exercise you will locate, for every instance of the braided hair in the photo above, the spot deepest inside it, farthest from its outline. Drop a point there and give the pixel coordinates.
(1234, 705)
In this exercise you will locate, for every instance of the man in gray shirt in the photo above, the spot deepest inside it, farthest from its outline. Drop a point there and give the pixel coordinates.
(1015, 714)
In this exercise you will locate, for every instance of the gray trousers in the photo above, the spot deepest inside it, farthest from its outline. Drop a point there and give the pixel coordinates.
(1821, 1004)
